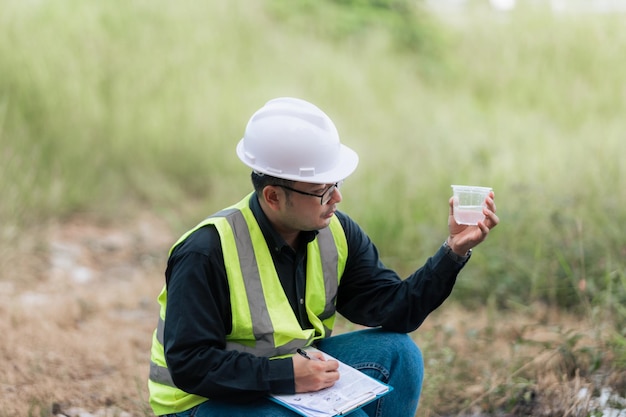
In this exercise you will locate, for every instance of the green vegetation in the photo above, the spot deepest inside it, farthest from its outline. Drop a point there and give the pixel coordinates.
(105, 103)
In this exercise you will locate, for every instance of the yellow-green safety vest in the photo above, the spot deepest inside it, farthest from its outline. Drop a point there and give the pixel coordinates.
(264, 326)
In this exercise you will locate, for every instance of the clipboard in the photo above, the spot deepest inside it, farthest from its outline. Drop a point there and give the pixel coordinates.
(353, 390)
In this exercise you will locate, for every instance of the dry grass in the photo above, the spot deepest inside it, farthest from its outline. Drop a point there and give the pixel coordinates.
(534, 362)
(78, 307)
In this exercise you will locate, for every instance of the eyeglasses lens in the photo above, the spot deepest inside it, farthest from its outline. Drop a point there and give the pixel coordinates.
(329, 193)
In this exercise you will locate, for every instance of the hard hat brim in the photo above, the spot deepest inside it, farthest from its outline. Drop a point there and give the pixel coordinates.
(347, 162)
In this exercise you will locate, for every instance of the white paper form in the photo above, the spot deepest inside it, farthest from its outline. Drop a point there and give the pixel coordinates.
(352, 390)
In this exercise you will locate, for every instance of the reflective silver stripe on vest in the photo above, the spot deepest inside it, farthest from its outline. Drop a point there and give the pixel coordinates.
(161, 375)
(330, 261)
(160, 330)
(262, 326)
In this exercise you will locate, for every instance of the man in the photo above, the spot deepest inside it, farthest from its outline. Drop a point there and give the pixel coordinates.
(253, 283)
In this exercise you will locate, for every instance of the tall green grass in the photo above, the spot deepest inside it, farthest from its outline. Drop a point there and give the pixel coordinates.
(105, 102)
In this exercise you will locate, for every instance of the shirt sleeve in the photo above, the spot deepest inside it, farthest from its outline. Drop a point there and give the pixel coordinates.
(198, 318)
(373, 295)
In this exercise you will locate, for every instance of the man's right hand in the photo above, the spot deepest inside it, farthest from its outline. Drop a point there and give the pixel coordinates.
(314, 374)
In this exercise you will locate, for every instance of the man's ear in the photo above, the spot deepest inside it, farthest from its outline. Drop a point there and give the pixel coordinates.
(272, 196)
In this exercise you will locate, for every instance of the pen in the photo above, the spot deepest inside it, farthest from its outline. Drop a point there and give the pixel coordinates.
(303, 353)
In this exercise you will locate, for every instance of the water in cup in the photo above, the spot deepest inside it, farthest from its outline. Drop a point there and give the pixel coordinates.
(469, 201)
(469, 214)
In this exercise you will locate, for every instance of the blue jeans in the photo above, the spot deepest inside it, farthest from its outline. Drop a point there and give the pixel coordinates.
(392, 358)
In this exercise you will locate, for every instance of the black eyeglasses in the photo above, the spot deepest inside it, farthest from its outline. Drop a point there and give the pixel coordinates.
(324, 197)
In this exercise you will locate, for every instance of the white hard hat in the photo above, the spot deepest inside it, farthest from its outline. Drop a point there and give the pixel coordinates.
(293, 139)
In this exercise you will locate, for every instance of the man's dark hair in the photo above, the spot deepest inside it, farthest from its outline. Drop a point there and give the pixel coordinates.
(260, 181)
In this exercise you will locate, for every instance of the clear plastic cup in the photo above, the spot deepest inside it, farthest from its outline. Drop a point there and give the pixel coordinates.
(469, 201)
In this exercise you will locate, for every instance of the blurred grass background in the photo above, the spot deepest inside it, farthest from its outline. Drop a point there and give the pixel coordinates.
(110, 106)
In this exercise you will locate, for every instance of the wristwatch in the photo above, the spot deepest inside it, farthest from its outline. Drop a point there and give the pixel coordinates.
(454, 256)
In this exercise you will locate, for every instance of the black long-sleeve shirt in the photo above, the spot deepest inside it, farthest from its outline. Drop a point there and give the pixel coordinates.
(198, 315)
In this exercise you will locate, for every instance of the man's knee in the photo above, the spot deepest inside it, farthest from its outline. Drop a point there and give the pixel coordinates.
(403, 355)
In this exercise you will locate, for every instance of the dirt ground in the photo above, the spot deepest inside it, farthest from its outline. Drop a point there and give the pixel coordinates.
(78, 307)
